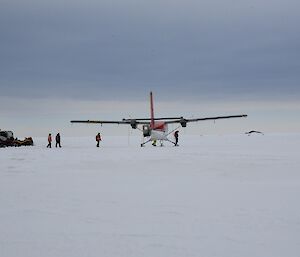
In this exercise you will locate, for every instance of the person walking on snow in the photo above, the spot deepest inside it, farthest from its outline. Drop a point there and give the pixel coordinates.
(49, 140)
(98, 139)
(57, 139)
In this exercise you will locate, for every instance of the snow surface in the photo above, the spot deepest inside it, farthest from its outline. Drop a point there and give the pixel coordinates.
(232, 195)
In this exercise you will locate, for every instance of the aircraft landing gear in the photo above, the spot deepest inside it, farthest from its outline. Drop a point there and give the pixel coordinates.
(143, 144)
(161, 143)
(171, 142)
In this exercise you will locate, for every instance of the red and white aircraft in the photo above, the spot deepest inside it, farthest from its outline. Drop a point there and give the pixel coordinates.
(156, 129)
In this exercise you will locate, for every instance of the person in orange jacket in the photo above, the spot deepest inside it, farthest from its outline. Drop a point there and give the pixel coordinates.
(49, 140)
(98, 139)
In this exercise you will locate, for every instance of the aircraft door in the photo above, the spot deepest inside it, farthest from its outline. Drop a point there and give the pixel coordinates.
(146, 130)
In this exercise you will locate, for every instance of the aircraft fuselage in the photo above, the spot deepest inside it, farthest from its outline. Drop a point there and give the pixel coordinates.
(159, 131)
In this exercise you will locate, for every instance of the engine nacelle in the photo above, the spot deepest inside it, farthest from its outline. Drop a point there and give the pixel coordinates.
(183, 122)
(133, 124)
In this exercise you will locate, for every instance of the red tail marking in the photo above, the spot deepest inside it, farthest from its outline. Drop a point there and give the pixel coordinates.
(152, 111)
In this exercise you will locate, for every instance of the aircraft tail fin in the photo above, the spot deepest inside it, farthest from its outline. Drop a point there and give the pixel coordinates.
(151, 110)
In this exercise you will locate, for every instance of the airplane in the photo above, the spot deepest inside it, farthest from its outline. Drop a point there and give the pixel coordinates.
(156, 129)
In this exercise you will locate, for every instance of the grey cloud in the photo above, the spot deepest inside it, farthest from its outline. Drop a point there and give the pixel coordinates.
(116, 49)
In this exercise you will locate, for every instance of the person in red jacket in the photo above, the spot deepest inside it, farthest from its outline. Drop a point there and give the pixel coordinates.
(98, 139)
(49, 140)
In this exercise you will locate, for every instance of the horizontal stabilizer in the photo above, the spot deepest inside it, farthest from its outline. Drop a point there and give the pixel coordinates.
(168, 118)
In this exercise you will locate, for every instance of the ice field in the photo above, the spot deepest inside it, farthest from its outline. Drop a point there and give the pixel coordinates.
(225, 196)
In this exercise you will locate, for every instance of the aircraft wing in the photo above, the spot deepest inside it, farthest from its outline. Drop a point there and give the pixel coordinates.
(184, 121)
(132, 122)
(101, 121)
(124, 121)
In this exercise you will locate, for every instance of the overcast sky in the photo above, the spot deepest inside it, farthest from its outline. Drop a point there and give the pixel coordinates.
(63, 60)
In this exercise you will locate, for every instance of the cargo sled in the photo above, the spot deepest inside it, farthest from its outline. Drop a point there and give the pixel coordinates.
(7, 139)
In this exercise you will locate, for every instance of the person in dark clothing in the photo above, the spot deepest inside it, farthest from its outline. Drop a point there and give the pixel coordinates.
(57, 140)
(49, 141)
(98, 139)
(176, 137)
